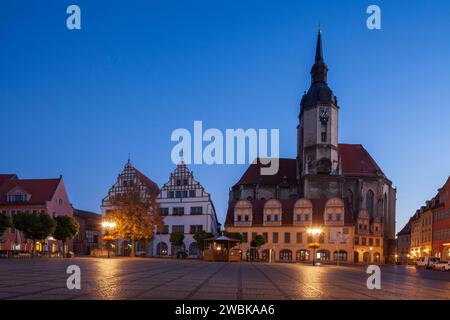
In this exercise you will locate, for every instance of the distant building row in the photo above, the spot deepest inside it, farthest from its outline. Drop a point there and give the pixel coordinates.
(427, 232)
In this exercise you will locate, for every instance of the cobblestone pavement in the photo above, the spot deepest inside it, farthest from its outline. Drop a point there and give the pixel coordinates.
(144, 278)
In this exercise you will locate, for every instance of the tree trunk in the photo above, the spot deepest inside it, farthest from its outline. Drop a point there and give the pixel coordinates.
(64, 249)
(132, 254)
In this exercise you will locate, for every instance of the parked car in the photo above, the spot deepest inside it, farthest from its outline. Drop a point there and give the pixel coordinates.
(442, 265)
(426, 262)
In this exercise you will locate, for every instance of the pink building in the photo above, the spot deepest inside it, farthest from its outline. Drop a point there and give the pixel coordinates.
(32, 196)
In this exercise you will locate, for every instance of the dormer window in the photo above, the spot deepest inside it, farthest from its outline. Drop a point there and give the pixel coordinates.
(272, 211)
(243, 211)
(17, 198)
(303, 210)
(334, 211)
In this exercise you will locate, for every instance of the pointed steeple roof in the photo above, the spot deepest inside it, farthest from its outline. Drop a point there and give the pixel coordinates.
(319, 70)
(319, 50)
(319, 91)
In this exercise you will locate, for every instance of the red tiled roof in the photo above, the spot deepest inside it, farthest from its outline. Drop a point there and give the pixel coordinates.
(6, 177)
(147, 181)
(287, 168)
(41, 190)
(287, 217)
(356, 161)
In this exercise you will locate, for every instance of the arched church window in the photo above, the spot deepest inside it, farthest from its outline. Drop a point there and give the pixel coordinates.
(385, 205)
(370, 203)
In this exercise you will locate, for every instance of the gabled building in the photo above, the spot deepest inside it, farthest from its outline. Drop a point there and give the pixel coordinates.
(422, 230)
(429, 228)
(324, 170)
(130, 179)
(186, 208)
(441, 223)
(32, 196)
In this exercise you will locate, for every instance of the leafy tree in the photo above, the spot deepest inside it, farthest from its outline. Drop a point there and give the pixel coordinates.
(35, 226)
(66, 229)
(176, 239)
(5, 223)
(136, 215)
(200, 237)
(255, 244)
(259, 240)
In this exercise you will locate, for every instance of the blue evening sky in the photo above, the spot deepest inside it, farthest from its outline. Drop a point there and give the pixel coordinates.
(77, 102)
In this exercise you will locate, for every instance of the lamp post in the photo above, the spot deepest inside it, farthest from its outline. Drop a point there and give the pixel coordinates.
(370, 255)
(313, 232)
(108, 226)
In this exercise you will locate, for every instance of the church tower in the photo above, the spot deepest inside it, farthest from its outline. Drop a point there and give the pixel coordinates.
(317, 133)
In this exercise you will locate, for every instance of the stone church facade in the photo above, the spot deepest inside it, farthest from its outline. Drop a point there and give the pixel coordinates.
(340, 185)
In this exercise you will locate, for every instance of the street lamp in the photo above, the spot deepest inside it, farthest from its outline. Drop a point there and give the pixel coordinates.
(370, 254)
(314, 232)
(108, 226)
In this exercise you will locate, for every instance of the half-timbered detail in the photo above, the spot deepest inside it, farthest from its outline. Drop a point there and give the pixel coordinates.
(187, 208)
(130, 180)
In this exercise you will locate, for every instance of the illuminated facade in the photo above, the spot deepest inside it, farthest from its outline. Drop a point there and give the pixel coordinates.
(324, 172)
(441, 223)
(186, 208)
(32, 196)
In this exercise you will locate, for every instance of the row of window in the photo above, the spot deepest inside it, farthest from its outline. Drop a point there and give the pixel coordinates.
(426, 237)
(363, 241)
(442, 215)
(13, 212)
(181, 194)
(334, 210)
(181, 182)
(17, 198)
(426, 221)
(364, 227)
(24, 198)
(299, 237)
(298, 217)
(180, 229)
(179, 211)
(442, 234)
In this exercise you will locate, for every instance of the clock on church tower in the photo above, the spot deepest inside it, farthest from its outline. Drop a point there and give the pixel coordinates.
(318, 122)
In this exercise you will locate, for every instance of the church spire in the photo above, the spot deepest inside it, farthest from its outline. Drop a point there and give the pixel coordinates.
(319, 70)
(319, 51)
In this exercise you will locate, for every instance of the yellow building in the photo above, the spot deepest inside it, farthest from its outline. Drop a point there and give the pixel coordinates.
(298, 229)
(422, 232)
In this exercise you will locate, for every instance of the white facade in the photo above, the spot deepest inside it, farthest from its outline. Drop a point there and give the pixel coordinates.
(186, 207)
